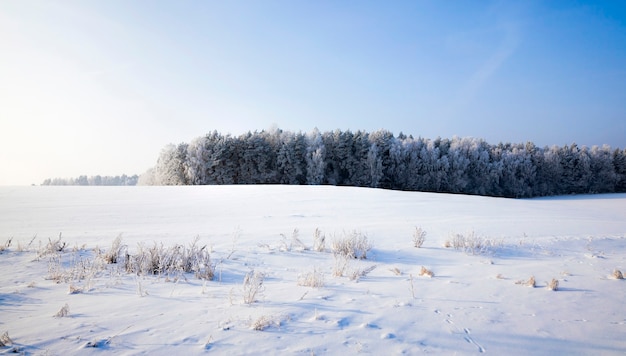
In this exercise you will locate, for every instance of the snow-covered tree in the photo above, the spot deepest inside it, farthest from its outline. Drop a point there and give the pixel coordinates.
(315, 158)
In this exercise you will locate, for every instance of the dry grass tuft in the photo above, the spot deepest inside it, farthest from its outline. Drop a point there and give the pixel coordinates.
(553, 285)
(472, 243)
(52, 247)
(341, 263)
(313, 279)
(174, 260)
(263, 322)
(617, 274)
(295, 244)
(529, 283)
(5, 340)
(352, 245)
(252, 286)
(319, 241)
(114, 253)
(357, 273)
(63, 312)
(22, 248)
(75, 289)
(396, 271)
(426, 272)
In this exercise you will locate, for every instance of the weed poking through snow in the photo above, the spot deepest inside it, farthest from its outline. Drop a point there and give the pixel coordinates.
(319, 241)
(396, 271)
(6, 245)
(313, 279)
(63, 312)
(114, 253)
(472, 244)
(174, 260)
(340, 265)
(529, 283)
(352, 245)
(419, 236)
(553, 285)
(426, 272)
(412, 285)
(295, 243)
(252, 286)
(51, 247)
(263, 322)
(357, 273)
(5, 340)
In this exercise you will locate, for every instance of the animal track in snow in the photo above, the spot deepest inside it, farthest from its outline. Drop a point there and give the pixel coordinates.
(464, 331)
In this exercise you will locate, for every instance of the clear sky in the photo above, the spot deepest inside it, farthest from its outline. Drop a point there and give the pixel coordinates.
(99, 87)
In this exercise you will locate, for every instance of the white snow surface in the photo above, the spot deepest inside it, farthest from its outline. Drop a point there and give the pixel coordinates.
(471, 305)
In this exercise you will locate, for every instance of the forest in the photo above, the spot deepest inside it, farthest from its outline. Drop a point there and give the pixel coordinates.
(94, 180)
(382, 160)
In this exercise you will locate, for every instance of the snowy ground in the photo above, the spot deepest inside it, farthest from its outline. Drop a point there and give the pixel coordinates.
(472, 304)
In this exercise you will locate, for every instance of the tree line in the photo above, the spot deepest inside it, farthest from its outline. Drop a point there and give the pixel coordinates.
(94, 180)
(381, 160)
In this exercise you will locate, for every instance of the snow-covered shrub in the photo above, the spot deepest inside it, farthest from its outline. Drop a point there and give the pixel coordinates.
(473, 244)
(617, 274)
(51, 247)
(114, 253)
(263, 322)
(419, 236)
(252, 286)
(79, 270)
(177, 259)
(352, 245)
(314, 279)
(55, 270)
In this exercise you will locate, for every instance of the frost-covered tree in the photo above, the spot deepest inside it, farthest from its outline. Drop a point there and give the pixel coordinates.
(375, 163)
(290, 160)
(169, 169)
(603, 176)
(195, 162)
(315, 154)
(619, 167)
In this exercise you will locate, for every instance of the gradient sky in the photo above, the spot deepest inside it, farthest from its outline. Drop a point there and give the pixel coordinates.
(99, 87)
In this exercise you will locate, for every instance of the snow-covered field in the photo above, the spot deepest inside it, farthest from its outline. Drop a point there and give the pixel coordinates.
(474, 302)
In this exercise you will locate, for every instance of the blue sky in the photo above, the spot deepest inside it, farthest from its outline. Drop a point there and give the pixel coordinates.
(99, 87)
